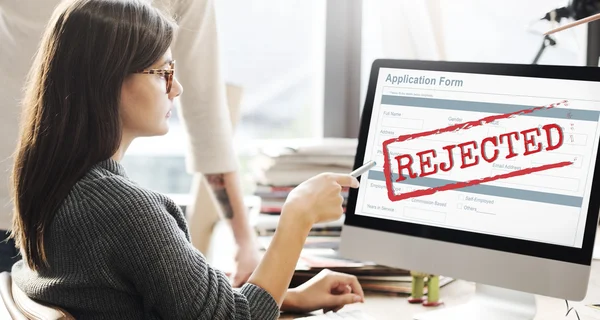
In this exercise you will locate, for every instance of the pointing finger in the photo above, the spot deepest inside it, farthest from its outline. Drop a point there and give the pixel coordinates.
(345, 180)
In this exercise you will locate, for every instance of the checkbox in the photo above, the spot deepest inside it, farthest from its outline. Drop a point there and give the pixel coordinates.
(459, 206)
(461, 197)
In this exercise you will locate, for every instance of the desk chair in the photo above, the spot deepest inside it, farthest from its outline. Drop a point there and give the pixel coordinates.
(20, 307)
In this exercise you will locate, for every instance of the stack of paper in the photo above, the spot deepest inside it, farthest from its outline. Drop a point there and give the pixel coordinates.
(289, 165)
(279, 168)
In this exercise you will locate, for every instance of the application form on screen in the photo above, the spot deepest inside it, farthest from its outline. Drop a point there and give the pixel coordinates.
(548, 206)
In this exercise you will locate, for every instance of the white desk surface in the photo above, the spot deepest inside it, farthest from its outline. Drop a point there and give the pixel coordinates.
(397, 308)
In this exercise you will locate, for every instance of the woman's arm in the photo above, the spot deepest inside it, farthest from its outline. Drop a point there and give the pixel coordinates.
(276, 269)
(316, 200)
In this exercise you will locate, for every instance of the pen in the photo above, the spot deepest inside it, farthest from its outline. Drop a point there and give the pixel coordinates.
(573, 24)
(364, 168)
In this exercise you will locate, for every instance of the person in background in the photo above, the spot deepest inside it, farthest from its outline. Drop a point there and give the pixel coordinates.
(206, 118)
(203, 109)
(93, 241)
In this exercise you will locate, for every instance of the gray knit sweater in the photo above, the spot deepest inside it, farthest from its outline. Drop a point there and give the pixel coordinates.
(119, 251)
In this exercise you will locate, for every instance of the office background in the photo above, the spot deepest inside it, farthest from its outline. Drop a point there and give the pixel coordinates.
(304, 64)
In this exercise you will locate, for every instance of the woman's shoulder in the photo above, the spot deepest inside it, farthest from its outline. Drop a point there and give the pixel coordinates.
(100, 184)
(110, 191)
(105, 202)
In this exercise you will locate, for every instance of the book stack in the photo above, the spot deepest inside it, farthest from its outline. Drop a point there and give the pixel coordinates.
(322, 253)
(288, 164)
(279, 168)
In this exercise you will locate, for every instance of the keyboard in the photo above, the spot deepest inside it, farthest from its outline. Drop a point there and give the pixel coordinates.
(348, 315)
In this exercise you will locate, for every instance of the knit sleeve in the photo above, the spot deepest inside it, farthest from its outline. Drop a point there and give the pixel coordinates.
(150, 249)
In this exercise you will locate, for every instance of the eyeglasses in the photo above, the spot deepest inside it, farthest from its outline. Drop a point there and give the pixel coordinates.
(167, 73)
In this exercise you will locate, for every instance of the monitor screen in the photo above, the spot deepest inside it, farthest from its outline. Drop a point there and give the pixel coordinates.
(467, 153)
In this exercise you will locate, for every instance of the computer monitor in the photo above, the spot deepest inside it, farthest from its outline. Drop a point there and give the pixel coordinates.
(485, 172)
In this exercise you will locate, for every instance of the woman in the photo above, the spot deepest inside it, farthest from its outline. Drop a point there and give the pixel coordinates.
(94, 242)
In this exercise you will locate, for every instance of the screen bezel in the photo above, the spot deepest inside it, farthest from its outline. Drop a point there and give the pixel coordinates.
(581, 256)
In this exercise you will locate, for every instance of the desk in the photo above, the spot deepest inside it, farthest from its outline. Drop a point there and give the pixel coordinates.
(397, 308)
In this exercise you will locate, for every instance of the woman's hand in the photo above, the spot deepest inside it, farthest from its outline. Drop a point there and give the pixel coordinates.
(246, 260)
(328, 290)
(319, 199)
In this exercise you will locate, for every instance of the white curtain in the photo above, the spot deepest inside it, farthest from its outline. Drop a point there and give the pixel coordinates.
(401, 29)
(411, 29)
(464, 30)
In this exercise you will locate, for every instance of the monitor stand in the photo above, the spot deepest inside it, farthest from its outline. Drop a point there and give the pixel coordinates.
(489, 303)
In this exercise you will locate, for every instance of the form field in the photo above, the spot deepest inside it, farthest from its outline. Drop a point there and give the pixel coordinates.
(540, 181)
(496, 131)
(489, 153)
(444, 139)
(550, 157)
(384, 138)
(403, 123)
(393, 152)
(575, 139)
(427, 215)
(502, 153)
(416, 167)
(456, 151)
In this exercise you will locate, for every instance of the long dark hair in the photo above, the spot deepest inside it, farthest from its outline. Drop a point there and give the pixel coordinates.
(71, 107)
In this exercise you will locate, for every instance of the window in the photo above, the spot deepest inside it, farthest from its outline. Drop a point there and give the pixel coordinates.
(275, 51)
(469, 30)
(511, 32)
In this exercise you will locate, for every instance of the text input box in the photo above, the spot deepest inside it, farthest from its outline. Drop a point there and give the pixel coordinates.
(383, 138)
(395, 151)
(496, 131)
(445, 139)
(403, 123)
(575, 139)
(570, 138)
(426, 215)
(540, 181)
(551, 157)
(380, 161)
(396, 133)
